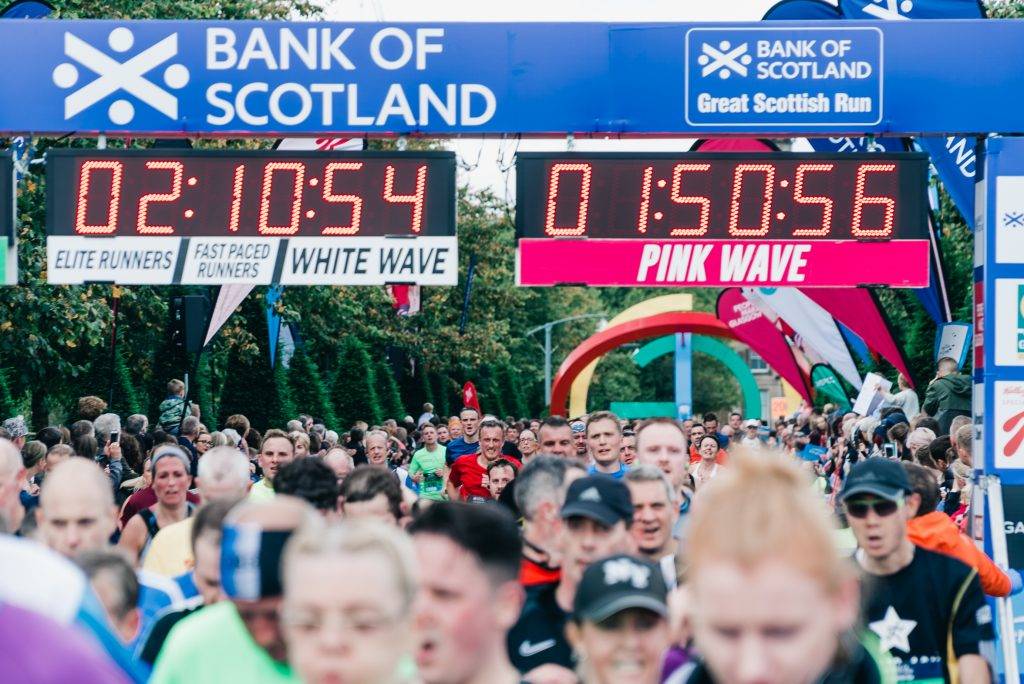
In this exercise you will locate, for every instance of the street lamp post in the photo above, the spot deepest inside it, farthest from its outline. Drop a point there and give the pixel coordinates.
(547, 346)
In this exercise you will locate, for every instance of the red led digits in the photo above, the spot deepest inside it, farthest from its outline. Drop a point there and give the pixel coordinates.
(645, 199)
(703, 202)
(415, 199)
(766, 206)
(585, 170)
(117, 172)
(355, 200)
(292, 228)
(236, 198)
(825, 202)
(177, 170)
(859, 200)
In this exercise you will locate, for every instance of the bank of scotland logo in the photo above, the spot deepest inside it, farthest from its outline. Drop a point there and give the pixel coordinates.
(725, 59)
(129, 76)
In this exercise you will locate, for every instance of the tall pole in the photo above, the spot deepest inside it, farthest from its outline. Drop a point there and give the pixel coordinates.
(547, 365)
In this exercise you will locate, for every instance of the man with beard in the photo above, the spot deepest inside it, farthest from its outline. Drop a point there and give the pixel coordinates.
(579, 437)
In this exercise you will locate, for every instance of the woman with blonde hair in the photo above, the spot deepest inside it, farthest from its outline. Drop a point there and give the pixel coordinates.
(767, 596)
(358, 629)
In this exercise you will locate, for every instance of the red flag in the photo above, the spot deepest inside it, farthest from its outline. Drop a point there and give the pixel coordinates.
(752, 328)
(470, 399)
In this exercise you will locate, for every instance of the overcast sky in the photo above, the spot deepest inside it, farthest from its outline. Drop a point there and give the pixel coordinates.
(490, 161)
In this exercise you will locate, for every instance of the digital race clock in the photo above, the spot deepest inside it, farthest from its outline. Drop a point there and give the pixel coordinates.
(208, 217)
(722, 219)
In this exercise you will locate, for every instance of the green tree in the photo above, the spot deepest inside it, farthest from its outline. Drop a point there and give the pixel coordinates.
(617, 378)
(390, 396)
(258, 392)
(354, 389)
(714, 387)
(307, 387)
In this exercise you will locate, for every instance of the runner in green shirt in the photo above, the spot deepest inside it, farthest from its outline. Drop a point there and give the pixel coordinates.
(428, 467)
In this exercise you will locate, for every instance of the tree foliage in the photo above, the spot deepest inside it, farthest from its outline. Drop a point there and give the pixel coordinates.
(354, 390)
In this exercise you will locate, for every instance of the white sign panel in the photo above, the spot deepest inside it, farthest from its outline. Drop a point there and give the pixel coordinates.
(1009, 316)
(1009, 424)
(868, 400)
(73, 260)
(1009, 220)
(430, 260)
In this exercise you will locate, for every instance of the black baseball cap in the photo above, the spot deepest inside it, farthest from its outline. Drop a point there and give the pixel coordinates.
(599, 497)
(879, 476)
(618, 583)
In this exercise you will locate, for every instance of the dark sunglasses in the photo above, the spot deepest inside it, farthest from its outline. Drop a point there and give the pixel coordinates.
(883, 508)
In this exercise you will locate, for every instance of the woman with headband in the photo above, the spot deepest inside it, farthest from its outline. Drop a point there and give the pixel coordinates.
(171, 476)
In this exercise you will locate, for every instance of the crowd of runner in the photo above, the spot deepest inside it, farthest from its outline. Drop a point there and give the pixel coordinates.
(824, 546)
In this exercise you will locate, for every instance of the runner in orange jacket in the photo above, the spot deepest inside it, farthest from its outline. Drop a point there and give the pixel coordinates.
(934, 530)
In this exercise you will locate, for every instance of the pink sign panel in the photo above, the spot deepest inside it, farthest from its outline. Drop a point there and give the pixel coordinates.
(722, 263)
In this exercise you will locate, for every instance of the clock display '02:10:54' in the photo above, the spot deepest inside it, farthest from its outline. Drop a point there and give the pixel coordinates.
(260, 196)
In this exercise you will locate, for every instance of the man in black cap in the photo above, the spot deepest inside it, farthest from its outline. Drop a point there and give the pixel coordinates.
(927, 609)
(597, 513)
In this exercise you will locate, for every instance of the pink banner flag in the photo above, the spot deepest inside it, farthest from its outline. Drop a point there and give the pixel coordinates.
(857, 309)
(760, 334)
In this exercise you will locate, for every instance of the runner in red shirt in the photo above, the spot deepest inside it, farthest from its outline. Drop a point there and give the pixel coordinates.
(468, 478)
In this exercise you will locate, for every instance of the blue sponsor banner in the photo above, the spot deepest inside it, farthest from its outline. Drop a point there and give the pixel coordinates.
(292, 78)
(797, 77)
(953, 156)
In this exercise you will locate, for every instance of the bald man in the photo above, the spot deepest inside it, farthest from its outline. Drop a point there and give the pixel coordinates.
(240, 639)
(76, 508)
(223, 476)
(12, 471)
(76, 513)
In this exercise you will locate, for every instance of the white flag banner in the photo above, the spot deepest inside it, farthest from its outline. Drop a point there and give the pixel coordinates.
(228, 299)
(814, 325)
(323, 144)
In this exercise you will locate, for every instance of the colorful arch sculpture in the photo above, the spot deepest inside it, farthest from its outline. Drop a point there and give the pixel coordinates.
(594, 347)
(680, 301)
(715, 349)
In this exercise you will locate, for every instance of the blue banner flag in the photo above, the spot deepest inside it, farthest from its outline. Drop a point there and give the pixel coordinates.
(189, 78)
(26, 9)
(856, 344)
(953, 156)
(273, 321)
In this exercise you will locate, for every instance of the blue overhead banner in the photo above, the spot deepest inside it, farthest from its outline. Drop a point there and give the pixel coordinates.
(291, 78)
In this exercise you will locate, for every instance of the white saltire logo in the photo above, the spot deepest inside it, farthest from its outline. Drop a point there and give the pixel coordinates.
(892, 631)
(129, 76)
(725, 59)
(889, 9)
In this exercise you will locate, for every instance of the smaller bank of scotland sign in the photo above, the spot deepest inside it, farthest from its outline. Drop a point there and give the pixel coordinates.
(784, 77)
